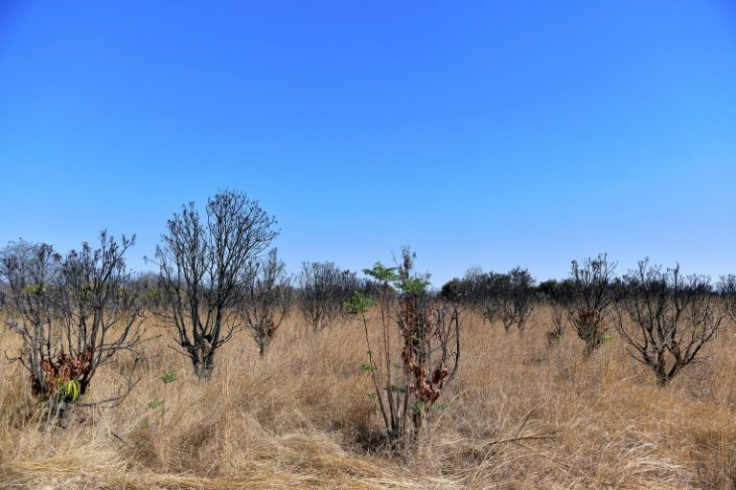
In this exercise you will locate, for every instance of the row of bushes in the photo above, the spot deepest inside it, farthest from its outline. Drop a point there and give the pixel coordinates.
(664, 317)
(217, 276)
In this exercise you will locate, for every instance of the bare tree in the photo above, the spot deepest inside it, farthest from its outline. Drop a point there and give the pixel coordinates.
(323, 288)
(509, 298)
(482, 292)
(557, 297)
(727, 288)
(268, 299)
(592, 297)
(666, 319)
(517, 299)
(72, 313)
(203, 266)
(146, 285)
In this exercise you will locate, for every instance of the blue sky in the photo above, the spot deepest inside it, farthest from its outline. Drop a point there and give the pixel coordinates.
(489, 134)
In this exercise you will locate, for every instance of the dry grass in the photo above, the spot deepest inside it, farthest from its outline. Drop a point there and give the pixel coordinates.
(520, 415)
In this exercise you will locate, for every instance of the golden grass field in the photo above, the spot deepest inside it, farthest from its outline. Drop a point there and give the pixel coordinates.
(521, 415)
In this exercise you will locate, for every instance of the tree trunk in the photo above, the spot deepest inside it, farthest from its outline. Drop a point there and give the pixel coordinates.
(203, 367)
(203, 371)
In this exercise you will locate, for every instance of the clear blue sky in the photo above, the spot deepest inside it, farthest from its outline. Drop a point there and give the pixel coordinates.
(481, 133)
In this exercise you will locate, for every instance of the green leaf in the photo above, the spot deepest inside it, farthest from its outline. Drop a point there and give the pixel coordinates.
(413, 285)
(382, 273)
(72, 389)
(169, 377)
(358, 303)
(155, 404)
(419, 407)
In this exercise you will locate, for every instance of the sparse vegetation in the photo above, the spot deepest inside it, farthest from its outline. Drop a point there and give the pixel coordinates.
(509, 298)
(558, 298)
(323, 289)
(367, 407)
(727, 290)
(517, 414)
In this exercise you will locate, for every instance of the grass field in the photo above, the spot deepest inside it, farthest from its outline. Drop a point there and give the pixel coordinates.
(519, 415)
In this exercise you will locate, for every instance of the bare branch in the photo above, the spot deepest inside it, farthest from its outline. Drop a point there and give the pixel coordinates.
(666, 319)
(73, 314)
(203, 270)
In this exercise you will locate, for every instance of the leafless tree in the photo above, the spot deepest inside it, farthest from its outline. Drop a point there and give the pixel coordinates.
(666, 319)
(509, 298)
(146, 285)
(203, 266)
(268, 299)
(73, 313)
(557, 297)
(323, 288)
(727, 288)
(482, 292)
(592, 298)
(557, 318)
(517, 299)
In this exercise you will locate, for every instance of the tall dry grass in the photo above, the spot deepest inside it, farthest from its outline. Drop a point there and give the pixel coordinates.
(519, 414)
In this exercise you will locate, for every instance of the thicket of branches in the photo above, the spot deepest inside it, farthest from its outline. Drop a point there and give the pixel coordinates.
(592, 298)
(666, 319)
(322, 289)
(203, 265)
(73, 314)
(727, 292)
(268, 298)
(509, 298)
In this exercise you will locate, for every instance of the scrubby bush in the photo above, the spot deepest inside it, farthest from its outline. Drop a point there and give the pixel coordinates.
(591, 301)
(267, 299)
(73, 314)
(429, 330)
(727, 290)
(509, 298)
(322, 290)
(518, 298)
(666, 319)
(557, 296)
